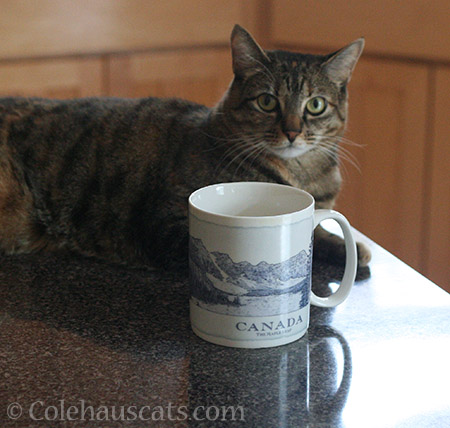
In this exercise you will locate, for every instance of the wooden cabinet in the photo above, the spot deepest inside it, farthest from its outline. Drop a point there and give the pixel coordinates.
(437, 208)
(61, 27)
(388, 113)
(57, 78)
(200, 75)
(411, 29)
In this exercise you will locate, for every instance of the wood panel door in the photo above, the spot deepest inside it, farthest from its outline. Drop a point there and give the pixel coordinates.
(59, 78)
(61, 27)
(411, 29)
(388, 120)
(200, 75)
(437, 233)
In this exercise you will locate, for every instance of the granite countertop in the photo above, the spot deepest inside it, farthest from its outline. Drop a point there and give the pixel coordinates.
(84, 344)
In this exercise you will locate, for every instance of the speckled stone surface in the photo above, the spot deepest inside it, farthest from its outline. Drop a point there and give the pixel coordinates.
(84, 344)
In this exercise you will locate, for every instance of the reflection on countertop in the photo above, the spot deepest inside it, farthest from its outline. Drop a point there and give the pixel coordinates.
(114, 345)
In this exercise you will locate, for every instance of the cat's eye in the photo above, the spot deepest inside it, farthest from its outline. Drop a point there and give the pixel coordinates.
(316, 105)
(267, 102)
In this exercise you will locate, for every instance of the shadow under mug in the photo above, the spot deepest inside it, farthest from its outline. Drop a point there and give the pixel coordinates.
(250, 262)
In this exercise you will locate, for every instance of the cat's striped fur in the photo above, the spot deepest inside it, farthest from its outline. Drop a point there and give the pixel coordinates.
(110, 177)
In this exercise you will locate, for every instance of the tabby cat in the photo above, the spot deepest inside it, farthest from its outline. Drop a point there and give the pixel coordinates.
(110, 177)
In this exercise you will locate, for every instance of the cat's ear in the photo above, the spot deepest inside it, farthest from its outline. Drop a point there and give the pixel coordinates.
(247, 54)
(339, 66)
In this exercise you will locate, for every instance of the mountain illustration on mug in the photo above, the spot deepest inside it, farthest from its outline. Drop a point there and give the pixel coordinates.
(221, 285)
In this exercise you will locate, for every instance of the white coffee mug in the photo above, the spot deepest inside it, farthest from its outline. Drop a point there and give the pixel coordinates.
(250, 259)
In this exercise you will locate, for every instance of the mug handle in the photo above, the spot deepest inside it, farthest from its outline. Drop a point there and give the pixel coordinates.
(351, 260)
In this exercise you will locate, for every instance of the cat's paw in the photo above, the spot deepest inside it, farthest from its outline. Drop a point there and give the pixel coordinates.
(331, 248)
(364, 254)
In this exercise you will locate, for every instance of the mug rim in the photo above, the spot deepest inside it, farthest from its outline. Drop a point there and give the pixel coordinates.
(249, 221)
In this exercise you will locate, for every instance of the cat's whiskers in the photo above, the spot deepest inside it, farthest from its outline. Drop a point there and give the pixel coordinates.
(246, 147)
(342, 166)
(240, 145)
(332, 151)
(345, 141)
(241, 151)
(224, 141)
(237, 146)
(256, 150)
(344, 154)
(331, 146)
(330, 155)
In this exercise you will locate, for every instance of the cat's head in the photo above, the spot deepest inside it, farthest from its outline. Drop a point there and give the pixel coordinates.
(287, 103)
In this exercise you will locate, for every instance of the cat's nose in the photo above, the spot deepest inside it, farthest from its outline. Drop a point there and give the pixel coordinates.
(292, 135)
